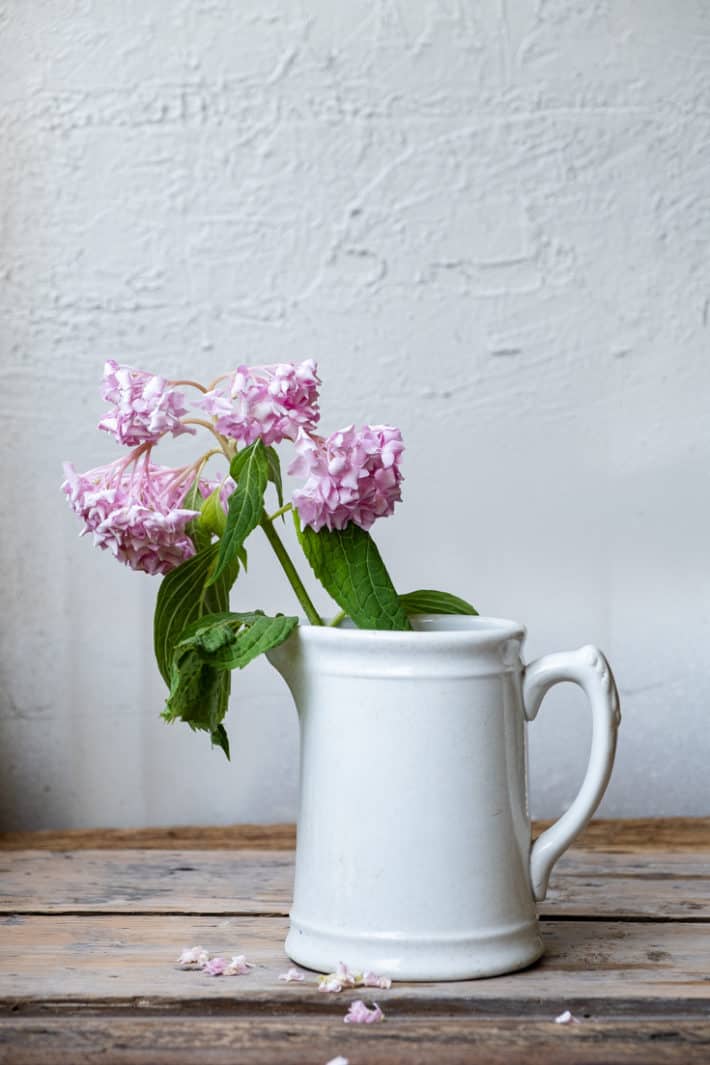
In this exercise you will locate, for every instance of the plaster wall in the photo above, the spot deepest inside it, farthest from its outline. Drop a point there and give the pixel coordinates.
(489, 224)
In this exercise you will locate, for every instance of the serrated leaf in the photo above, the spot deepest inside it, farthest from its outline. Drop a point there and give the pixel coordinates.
(198, 695)
(429, 601)
(232, 640)
(246, 504)
(182, 598)
(350, 568)
(206, 652)
(252, 641)
(220, 739)
(275, 473)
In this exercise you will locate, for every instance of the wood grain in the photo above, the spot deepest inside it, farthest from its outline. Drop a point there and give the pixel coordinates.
(279, 1040)
(91, 923)
(127, 960)
(584, 883)
(670, 834)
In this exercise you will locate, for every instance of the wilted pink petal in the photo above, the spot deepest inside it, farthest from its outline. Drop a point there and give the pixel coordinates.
(291, 975)
(145, 406)
(193, 958)
(346, 976)
(566, 1018)
(351, 476)
(268, 402)
(373, 980)
(360, 1014)
(329, 983)
(133, 509)
(238, 966)
(338, 1061)
(215, 967)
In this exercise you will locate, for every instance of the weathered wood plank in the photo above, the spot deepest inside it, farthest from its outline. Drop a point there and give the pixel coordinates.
(275, 1040)
(184, 837)
(129, 961)
(584, 884)
(628, 835)
(140, 882)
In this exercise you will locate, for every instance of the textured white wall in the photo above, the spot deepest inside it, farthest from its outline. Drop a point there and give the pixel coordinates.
(489, 223)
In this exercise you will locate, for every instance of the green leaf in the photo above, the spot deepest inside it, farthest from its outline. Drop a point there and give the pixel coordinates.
(350, 568)
(213, 518)
(231, 640)
(205, 653)
(275, 473)
(198, 693)
(263, 634)
(428, 601)
(250, 469)
(220, 739)
(183, 597)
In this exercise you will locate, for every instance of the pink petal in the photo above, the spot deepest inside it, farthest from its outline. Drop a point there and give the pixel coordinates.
(238, 966)
(215, 967)
(291, 975)
(193, 958)
(359, 1013)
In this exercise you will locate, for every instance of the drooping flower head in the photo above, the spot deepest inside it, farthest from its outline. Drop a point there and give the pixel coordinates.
(351, 476)
(268, 402)
(145, 406)
(133, 509)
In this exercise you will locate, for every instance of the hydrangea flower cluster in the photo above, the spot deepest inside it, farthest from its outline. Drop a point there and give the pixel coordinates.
(134, 509)
(145, 407)
(271, 403)
(351, 476)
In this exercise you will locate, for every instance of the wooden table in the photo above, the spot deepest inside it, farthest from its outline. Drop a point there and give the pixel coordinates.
(92, 923)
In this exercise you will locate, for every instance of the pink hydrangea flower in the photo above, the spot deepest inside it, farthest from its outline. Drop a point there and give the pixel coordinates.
(193, 958)
(215, 967)
(373, 980)
(238, 966)
(132, 508)
(268, 402)
(145, 406)
(351, 476)
(359, 1013)
(291, 975)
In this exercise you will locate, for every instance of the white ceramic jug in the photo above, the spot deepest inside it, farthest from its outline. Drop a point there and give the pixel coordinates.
(414, 855)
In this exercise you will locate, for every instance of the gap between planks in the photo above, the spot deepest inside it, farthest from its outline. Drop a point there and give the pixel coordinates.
(275, 1040)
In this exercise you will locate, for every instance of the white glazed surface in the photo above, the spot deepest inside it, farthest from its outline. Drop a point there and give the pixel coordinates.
(413, 854)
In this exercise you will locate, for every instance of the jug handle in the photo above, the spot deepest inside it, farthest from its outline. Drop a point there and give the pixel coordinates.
(588, 668)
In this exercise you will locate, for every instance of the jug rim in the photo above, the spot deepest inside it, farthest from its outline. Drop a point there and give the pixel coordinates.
(437, 628)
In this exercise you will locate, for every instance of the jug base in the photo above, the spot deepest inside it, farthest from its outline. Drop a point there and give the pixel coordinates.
(404, 957)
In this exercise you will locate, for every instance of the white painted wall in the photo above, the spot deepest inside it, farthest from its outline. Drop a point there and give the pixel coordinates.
(490, 224)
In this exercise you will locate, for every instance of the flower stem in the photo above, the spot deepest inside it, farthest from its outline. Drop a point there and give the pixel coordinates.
(222, 440)
(290, 570)
(190, 384)
(282, 510)
(337, 619)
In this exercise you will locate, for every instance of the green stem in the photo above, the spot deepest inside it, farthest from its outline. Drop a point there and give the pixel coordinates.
(282, 510)
(337, 619)
(290, 571)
